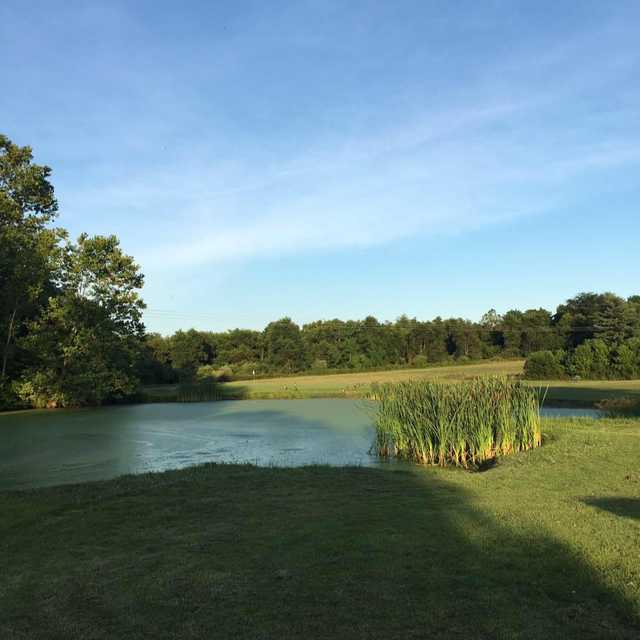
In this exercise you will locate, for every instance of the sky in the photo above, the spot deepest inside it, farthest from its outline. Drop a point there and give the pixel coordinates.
(321, 159)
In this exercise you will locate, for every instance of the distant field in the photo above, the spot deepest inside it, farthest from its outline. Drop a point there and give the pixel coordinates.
(350, 385)
(355, 384)
(581, 393)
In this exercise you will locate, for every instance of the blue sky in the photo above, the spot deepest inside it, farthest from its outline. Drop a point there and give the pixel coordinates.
(324, 159)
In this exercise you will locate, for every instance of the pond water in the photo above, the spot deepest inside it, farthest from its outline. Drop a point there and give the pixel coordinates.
(40, 448)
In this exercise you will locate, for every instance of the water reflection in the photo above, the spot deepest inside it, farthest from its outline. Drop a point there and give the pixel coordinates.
(52, 447)
(38, 448)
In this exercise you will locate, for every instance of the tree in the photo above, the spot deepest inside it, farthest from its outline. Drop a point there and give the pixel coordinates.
(464, 338)
(285, 349)
(237, 346)
(154, 365)
(595, 315)
(492, 337)
(623, 362)
(545, 365)
(491, 321)
(27, 247)
(404, 329)
(611, 319)
(380, 344)
(188, 350)
(26, 285)
(590, 360)
(512, 332)
(436, 340)
(86, 340)
(600, 368)
(325, 340)
(634, 345)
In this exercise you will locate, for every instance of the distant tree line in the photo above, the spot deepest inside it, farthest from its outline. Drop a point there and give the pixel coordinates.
(601, 340)
(583, 325)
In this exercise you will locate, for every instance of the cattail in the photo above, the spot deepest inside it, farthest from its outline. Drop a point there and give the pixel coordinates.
(455, 424)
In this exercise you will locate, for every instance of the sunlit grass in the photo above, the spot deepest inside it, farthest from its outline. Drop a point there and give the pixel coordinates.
(358, 384)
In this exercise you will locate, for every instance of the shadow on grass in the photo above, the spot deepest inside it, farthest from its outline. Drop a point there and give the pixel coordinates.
(234, 392)
(314, 552)
(623, 507)
(587, 397)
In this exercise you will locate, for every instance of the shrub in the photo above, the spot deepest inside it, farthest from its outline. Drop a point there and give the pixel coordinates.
(545, 365)
(623, 362)
(9, 398)
(206, 372)
(209, 373)
(580, 361)
(620, 407)
(246, 369)
(590, 360)
(420, 361)
(600, 360)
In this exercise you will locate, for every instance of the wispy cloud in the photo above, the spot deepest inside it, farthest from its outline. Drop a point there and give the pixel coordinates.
(443, 173)
(235, 161)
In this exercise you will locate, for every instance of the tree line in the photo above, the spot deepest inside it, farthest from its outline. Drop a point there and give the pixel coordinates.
(71, 330)
(602, 341)
(585, 322)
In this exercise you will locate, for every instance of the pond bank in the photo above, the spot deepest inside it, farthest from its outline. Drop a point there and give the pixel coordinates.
(237, 551)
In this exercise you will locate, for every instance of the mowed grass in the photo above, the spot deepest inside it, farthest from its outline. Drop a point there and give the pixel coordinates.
(359, 384)
(557, 392)
(544, 545)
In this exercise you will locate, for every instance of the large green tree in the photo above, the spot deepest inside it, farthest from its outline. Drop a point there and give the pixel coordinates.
(189, 350)
(86, 341)
(596, 315)
(284, 345)
(28, 248)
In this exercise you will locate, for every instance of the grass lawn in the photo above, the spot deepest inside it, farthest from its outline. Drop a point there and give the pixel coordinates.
(560, 392)
(544, 545)
(356, 384)
(342, 385)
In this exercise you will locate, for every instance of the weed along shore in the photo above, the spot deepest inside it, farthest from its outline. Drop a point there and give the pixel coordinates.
(466, 424)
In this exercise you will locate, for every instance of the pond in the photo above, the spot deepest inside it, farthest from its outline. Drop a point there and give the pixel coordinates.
(40, 448)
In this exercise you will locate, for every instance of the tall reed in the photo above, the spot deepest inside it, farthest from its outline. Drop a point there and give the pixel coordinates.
(204, 391)
(462, 424)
